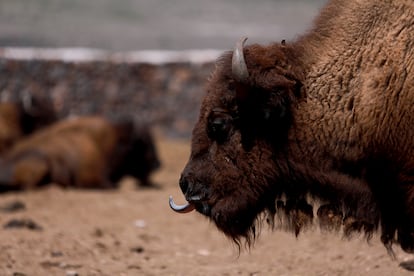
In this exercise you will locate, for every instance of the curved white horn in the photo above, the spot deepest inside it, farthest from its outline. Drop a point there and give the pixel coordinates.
(186, 208)
(238, 63)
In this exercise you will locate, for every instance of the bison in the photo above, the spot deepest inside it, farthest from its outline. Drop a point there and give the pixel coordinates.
(23, 116)
(82, 152)
(326, 120)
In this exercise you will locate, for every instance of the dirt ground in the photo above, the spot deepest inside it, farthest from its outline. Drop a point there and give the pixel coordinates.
(132, 231)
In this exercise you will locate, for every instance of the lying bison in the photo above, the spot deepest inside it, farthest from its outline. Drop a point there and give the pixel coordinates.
(23, 116)
(83, 152)
(327, 119)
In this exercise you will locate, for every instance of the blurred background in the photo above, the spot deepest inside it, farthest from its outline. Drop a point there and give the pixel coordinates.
(143, 58)
(126, 25)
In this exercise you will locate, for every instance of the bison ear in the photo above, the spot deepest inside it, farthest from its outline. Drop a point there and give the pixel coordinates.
(264, 95)
(270, 86)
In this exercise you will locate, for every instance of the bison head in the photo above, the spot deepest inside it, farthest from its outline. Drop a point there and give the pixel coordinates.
(243, 123)
(136, 153)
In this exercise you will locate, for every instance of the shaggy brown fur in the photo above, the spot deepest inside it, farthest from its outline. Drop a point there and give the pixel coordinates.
(22, 117)
(84, 152)
(328, 117)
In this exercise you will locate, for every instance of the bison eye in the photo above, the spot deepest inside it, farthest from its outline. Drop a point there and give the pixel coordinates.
(219, 126)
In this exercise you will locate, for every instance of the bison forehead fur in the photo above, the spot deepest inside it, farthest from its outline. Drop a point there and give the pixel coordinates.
(325, 119)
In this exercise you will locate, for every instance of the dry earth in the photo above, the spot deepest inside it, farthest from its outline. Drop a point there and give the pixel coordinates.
(133, 232)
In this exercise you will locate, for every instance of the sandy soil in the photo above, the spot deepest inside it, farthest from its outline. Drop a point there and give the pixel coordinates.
(132, 231)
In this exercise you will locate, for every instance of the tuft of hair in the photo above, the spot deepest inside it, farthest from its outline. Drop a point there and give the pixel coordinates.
(298, 215)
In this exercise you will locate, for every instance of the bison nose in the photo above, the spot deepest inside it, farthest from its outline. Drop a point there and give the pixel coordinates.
(193, 187)
(184, 184)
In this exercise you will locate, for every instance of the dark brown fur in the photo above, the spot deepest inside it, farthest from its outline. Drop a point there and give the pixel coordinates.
(83, 152)
(19, 118)
(328, 117)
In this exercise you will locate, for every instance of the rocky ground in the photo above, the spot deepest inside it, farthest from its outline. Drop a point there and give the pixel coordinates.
(132, 231)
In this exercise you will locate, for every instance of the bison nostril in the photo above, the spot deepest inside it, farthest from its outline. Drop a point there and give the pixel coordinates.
(184, 184)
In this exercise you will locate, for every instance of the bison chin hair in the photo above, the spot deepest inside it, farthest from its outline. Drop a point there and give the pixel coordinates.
(242, 221)
(239, 219)
(241, 229)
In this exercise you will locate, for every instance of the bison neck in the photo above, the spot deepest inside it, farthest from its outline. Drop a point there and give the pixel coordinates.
(353, 120)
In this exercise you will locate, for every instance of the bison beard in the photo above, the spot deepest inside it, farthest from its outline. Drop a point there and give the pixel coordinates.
(327, 119)
(239, 204)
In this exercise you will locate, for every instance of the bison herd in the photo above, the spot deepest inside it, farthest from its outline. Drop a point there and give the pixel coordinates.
(37, 148)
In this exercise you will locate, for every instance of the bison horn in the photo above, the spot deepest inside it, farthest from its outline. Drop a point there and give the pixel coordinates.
(238, 63)
(29, 105)
(186, 208)
(27, 102)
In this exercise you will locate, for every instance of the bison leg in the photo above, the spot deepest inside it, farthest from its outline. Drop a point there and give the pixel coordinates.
(406, 220)
(29, 173)
(330, 217)
(299, 214)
